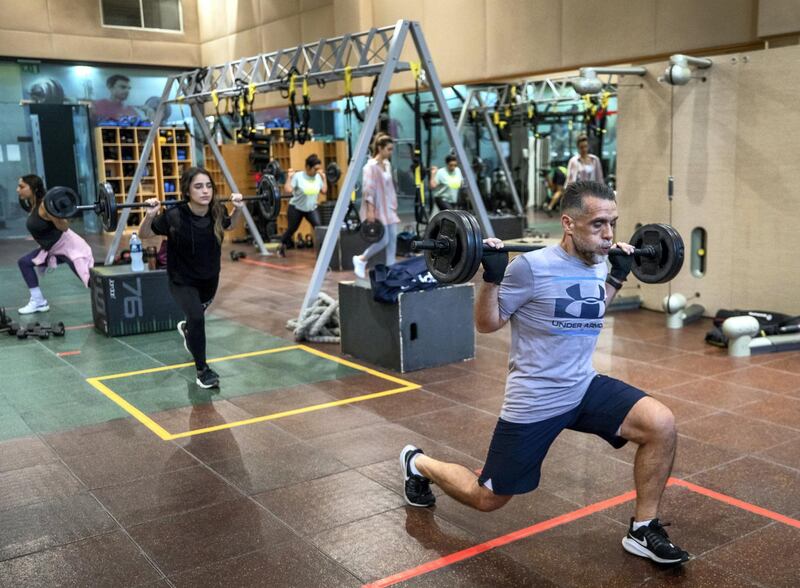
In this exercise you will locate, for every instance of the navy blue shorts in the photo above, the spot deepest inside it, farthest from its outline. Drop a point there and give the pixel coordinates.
(517, 450)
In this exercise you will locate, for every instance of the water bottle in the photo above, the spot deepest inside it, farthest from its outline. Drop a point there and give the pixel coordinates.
(137, 263)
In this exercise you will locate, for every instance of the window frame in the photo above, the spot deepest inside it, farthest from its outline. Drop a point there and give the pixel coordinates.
(141, 19)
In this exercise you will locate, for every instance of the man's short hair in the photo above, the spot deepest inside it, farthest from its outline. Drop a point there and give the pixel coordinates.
(576, 192)
(116, 78)
(450, 157)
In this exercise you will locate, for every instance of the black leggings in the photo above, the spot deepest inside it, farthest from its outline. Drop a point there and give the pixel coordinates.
(443, 204)
(193, 299)
(295, 217)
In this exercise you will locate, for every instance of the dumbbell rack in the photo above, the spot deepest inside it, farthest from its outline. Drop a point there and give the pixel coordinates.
(119, 150)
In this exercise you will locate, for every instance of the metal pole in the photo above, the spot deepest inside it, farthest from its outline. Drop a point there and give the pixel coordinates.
(464, 110)
(503, 162)
(201, 122)
(140, 167)
(450, 127)
(354, 166)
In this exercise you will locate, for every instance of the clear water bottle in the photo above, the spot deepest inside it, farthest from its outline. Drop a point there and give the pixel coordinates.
(137, 261)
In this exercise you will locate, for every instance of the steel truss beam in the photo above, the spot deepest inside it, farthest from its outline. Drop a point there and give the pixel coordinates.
(324, 61)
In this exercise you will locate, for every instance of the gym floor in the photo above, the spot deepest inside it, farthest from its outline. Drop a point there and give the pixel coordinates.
(289, 474)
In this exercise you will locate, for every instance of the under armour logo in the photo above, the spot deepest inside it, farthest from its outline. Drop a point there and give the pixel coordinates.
(580, 306)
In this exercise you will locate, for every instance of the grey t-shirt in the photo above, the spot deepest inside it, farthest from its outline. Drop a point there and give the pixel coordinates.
(305, 191)
(556, 305)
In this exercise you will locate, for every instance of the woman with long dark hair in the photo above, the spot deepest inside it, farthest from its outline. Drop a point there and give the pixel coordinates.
(56, 244)
(194, 231)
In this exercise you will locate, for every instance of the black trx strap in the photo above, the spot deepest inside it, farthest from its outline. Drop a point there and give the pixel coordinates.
(352, 219)
(420, 210)
(289, 91)
(302, 129)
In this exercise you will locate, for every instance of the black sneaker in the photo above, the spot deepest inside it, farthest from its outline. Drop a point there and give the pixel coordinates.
(417, 489)
(652, 541)
(207, 378)
(182, 331)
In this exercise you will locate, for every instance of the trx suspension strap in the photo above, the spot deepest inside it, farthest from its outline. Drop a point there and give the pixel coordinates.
(420, 210)
(302, 129)
(352, 220)
(290, 94)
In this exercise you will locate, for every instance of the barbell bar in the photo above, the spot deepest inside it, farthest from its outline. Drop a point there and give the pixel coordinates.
(453, 247)
(62, 202)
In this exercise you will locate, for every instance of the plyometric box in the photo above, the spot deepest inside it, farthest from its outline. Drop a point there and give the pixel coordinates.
(348, 245)
(129, 303)
(508, 226)
(423, 329)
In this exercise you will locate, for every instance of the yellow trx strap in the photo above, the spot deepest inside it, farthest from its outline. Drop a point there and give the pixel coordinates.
(500, 124)
(215, 98)
(292, 85)
(251, 92)
(415, 68)
(348, 80)
(305, 87)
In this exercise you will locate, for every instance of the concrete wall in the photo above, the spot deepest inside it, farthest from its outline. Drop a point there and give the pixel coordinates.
(71, 30)
(728, 140)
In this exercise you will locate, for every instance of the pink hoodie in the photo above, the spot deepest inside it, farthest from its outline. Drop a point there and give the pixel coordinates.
(71, 246)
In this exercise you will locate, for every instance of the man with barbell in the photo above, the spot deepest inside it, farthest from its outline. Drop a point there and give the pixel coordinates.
(194, 233)
(555, 299)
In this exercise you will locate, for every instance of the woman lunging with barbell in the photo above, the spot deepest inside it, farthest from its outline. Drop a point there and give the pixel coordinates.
(57, 244)
(194, 235)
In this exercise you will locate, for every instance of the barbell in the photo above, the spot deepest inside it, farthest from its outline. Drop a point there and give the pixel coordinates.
(62, 202)
(453, 247)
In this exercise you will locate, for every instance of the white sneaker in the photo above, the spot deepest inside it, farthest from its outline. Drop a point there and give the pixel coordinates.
(34, 306)
(359, 267)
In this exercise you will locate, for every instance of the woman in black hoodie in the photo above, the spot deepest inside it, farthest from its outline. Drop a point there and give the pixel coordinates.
(194, 231)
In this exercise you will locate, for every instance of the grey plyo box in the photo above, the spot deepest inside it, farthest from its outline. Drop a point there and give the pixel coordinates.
(423, 329)
(508, 226)
(348, 245)
(129, 303)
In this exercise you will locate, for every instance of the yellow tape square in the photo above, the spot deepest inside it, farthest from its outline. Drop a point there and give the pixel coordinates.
(98, 383)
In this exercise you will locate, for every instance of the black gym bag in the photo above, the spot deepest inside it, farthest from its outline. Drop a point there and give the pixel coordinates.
(404, 276)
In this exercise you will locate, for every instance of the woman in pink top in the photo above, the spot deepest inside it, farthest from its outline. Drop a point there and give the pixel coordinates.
(379, 202)
(56, 244)
(584, 166)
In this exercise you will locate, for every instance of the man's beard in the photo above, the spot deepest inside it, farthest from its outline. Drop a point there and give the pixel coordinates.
(589, 253)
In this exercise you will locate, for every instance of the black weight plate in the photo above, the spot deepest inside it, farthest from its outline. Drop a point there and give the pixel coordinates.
(371, 232)
(478, 247)
(61, 202)
(333, 172)
(106, 207)
(269, 194)
(455, 264)
(669, 253)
